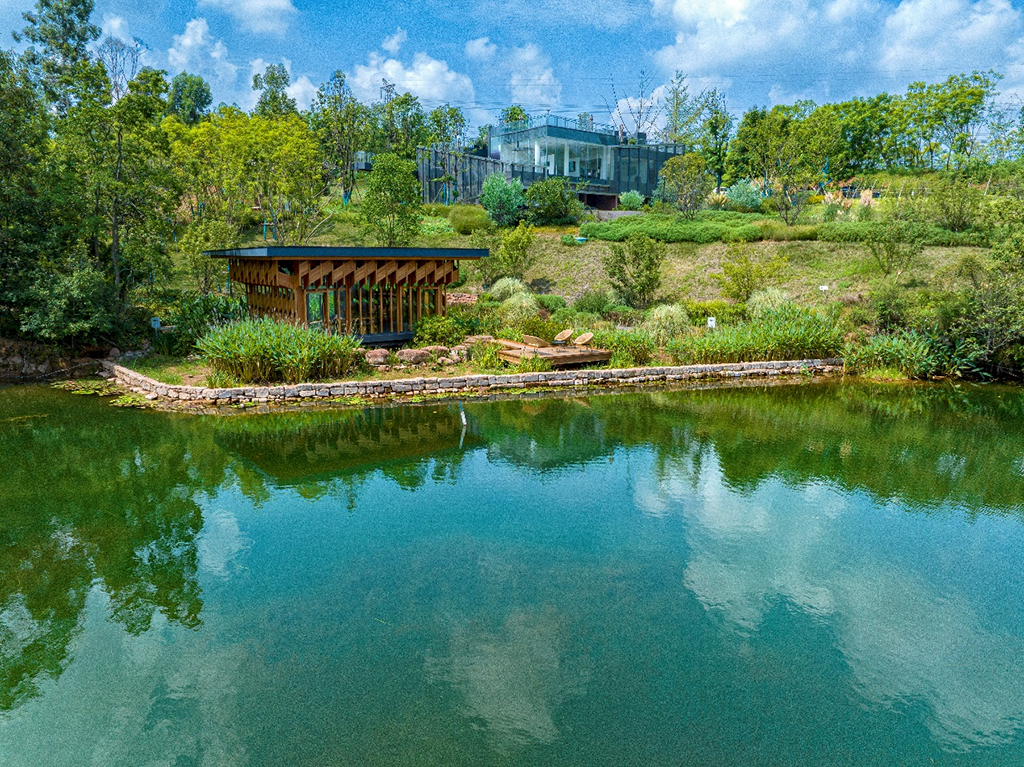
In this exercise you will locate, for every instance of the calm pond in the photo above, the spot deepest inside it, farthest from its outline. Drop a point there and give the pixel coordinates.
(819, 574)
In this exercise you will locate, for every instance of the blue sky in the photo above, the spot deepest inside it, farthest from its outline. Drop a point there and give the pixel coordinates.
(566, 56)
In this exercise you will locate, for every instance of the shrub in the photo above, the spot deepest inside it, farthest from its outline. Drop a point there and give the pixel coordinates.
(466, 219)
(503, 200)
(570, 318)
(265, 351)
(745, 233)
(569, 241)
(707, 227)
(957, 204)
(553, 201)
(765, 303)
(895, 245)
(439, 330)
(891, 306)
(593, 302)
(743, 274)
(517, 308)
(906, 351)
(631, 200)
(73, 304)
(514, 256)
(551, 303)
(484, 354)
(789, 332)
(635, 270)
(507, 287)
(663, 323)
(744, 197)
(193, 315)
(534, 364)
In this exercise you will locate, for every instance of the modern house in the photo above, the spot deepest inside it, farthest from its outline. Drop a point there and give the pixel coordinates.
(376, 293)
(607, 162)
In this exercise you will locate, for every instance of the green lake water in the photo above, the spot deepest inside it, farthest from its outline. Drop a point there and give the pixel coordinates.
(819, 574)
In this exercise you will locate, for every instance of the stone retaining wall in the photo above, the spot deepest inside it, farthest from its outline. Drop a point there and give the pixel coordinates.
(470, 384)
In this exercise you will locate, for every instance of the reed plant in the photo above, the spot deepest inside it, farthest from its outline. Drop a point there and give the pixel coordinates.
(265, 351)
(906, 351)
(787, 332)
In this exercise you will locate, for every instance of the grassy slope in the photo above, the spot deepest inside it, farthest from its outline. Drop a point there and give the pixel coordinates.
(848, 270)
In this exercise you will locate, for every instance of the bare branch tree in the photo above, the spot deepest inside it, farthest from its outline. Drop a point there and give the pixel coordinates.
(121, 60)
(642, 110)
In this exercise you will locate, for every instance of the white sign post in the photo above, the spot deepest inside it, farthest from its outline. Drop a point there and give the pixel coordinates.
(711, 323)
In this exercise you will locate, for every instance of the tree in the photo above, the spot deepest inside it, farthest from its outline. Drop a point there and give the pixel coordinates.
(512, 114)
(641, 111)
(634, 270)
(190, 98)
(343, 125)
(514, 256)
(684, 112)
(446, 126)
(23, 143)
(714, 135)
(400, 125)
(274, 100)
(895, 246)
(392, 201)
(58, 33)
(685, 179)
(204, 273)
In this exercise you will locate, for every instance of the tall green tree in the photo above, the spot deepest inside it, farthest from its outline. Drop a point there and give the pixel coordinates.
(714, 134)
(684, 112)
(446, 126)
(392, 204)
(343, 126)
(400, 126)
(272, 85)
(190, 98)
(58, 33)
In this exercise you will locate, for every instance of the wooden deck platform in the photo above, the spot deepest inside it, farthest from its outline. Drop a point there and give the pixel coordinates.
(557, 356)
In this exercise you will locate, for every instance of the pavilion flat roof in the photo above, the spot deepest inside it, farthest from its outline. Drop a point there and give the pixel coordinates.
(290, 253)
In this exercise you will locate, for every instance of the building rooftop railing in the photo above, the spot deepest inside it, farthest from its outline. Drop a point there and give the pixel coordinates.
(539, 121)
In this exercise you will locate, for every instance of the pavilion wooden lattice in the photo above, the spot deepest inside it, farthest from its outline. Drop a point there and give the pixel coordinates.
(376, 293)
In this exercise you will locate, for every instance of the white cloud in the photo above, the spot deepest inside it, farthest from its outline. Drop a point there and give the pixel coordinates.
(481, 49)
(429, 79)
(599, 14)
(533, 83)
(764, 49)
(303, 91)
(115, 26)
(197, 51)
(392, 43)
(262, 16)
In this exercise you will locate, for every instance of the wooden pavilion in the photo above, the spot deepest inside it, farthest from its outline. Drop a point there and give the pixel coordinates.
(376, 293)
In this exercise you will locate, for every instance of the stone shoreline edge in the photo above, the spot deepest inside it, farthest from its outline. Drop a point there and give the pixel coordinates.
(469, 384)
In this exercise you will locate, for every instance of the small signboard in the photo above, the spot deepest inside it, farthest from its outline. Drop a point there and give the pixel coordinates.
(823, 288)
(712, 323)
(155, 323)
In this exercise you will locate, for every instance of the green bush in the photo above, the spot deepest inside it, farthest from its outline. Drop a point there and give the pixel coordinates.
(571, 318)
(635, 270)
(466, 219)
(745, 233)
(551, 303)
(744, 273)
(434, 226)
(707, 227)
(514, 256)
(265, 351)
(534, 364)
(593, 302)
(907, 351)
(504, 200)
(929, 235)
(507, 287)
(663, 323)
(553, 201)
(631, 200)
(744, 197)
(569, 241)
(73, 304)
(517, 308)
(787, 333)
(193, 315)
(437, 330)
(765, 303)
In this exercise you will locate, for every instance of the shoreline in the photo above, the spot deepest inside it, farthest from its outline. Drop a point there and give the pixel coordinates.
(199, 399)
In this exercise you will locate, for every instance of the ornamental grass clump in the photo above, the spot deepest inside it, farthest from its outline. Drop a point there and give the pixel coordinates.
(665, 322)
(788, 332)
(265, 351)
(506, 287)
